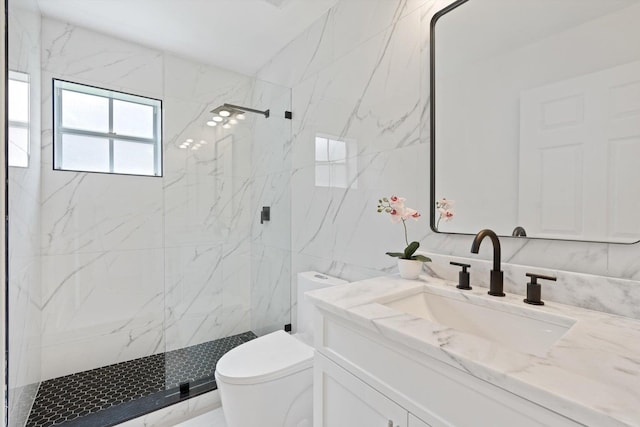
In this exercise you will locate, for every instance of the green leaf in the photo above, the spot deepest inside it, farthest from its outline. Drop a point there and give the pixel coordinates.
(411, 249)
(385, 200)
(421, 258)
(388, 210)
(396, 254)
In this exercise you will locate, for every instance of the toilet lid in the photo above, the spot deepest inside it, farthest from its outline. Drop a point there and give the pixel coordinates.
(266, 358)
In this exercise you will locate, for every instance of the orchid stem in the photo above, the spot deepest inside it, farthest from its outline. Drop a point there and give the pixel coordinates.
(406, 238)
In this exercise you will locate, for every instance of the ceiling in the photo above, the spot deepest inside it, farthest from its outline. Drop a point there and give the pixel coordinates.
(241, 35)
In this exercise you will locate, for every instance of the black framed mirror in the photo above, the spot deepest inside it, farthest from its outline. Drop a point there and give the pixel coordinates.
(535, 118)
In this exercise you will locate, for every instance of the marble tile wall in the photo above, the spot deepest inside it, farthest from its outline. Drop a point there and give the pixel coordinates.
(137, 265)
(102, 235)
(206, 197)
(271, 182)
(24, 227)
(355, 75)
(362, 72)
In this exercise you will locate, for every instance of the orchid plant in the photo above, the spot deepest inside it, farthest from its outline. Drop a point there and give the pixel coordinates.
(445, 208)
(395, 207)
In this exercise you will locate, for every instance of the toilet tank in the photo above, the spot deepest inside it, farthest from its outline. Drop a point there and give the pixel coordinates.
(310, 281)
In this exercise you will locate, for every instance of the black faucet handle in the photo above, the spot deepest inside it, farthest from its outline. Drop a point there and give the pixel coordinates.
(463, 276)
(459, 264)
(535, 277)
(534, 289)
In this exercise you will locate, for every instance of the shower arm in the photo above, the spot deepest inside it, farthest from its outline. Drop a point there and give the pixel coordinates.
(252, 110)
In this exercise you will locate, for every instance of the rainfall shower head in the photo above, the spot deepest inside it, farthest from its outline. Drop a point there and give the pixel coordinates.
(227, 115)
(229, 110)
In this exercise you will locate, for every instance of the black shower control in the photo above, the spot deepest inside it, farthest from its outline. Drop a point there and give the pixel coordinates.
(265, 214)
(463, 276)
(288, 115)
(287, 327)
(534, 290)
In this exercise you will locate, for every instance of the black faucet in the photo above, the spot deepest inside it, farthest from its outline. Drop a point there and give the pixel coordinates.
(497, 277)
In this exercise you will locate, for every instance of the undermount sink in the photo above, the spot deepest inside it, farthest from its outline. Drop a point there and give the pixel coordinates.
(486, 320)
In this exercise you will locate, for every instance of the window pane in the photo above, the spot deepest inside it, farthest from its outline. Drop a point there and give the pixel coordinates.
(85, 112)
(84, 153)
(339, 176)
(87, 120)
(18, 101)
(337, 150)
(322, 176)
(18, 146)
(321, 150)
(132, 119)
(133, 158)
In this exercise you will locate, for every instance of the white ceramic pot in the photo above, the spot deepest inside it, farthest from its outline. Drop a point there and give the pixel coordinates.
(409, 268)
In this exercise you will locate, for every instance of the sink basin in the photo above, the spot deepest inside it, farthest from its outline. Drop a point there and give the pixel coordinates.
(486, 319)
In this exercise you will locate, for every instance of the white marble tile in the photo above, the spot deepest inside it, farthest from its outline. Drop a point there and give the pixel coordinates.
(271, 137)
(185, 413)
(221, 150)
(213, 418)
(186, 234)
(345, 224)
(98, 347)
(20, 402)
(303, 56)
(205, 84)
(24, 269)
(605, 294)
(337, 33)
(88, 212)
(193, 295)
(205, 209)
(270, 289)
(24, 40)
(170, 416)
(183, 120)
(272, 147)
(25, 320)
(236, 288)
(206, 403)
(352, 99)
(274, 191)
(24, 210)
(101, 308)
(623, 261)
(88, 57)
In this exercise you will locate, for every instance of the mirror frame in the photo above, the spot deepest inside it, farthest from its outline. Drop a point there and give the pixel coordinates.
(432, 141)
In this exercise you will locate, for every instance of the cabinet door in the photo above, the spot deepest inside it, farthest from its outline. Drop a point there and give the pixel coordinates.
(416, 422)
(343, 400)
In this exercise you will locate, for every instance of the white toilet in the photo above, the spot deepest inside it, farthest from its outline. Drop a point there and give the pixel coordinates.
(268, 382)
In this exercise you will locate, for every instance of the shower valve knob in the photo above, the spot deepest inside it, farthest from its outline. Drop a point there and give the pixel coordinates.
(265, 214)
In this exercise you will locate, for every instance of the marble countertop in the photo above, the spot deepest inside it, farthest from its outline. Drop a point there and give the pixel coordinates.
(591, 374)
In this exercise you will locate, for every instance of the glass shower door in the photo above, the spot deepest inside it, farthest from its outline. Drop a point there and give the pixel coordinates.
(227, 273)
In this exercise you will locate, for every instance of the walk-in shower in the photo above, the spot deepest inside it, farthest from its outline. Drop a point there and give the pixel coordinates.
(124, 289)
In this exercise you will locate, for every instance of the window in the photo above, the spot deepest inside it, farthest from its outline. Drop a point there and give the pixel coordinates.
(19, 92)
(336, 164)
(100, 130)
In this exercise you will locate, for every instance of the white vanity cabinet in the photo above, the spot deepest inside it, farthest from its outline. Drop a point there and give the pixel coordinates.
(348, 401)
(362, 379)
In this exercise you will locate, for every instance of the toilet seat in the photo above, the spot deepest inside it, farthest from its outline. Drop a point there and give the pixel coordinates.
(263, 359)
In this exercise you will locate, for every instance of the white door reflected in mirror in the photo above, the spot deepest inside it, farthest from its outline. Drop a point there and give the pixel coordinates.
(537, 117)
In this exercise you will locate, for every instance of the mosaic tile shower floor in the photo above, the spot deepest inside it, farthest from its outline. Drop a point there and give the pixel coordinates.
(112, 394)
